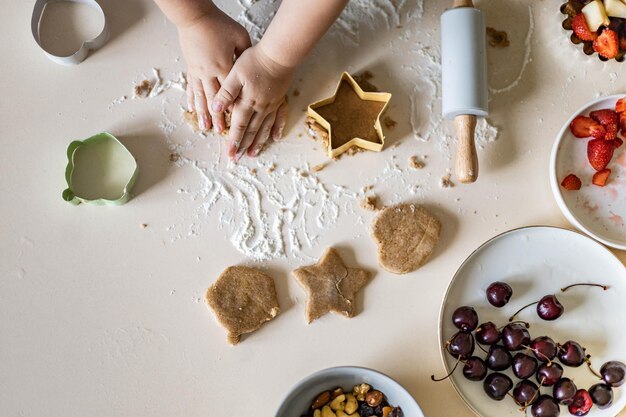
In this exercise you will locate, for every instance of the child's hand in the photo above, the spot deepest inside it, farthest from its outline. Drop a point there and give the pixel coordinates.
(256, 87)
(210, 44)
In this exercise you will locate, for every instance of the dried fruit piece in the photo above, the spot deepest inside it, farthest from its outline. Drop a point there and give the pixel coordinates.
(607, 44)
(581, 29)
(374, 398)
(584, 127)
(600, 152)
(571, 182)
(601, 177)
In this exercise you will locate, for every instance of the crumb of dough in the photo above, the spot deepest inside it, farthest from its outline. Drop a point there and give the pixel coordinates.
(415, 163)
(389, 122)
(497, 38)
(143, 225)
(174, 157)
(142, 90)
(253, 171)
(296, 92)
(320, 167)
(446, 182)
(271, 168)
(370, 203)
(368, 188)
(192, 121)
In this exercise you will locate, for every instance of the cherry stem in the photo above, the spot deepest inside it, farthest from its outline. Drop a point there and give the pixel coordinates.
(536, 352)
(526, 324)
(604, 287)
(593, 371)
(432, 377)
(481, 348)
(520, 310)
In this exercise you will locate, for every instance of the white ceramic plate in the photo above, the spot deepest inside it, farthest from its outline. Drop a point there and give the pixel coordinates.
(599, 212)
(537, 261)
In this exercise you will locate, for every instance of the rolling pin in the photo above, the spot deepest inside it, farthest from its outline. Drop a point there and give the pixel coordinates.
(464, 80)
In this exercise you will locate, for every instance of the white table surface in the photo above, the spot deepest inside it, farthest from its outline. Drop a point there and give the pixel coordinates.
(99, 317)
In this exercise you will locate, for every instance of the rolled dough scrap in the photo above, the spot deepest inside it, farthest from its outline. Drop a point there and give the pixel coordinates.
(406, 235)
(330, 285)
(242, 299)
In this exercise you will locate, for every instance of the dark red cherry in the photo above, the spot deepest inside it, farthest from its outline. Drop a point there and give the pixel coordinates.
(549, 374)
(581, 404)
(564, 391)
(515, 336)
(498, 358)
(613, 373)
(545, 406)
(496, 385)
(465, 318)
(461, 345)
(525, 393)
(524, 366)
(549, 308)
(487, 334)
(544, 348)
(601, 395)
(571, 353)
(475, 369)
(499, 293)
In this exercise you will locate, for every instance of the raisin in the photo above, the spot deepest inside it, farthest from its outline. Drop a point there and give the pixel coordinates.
(365, 410)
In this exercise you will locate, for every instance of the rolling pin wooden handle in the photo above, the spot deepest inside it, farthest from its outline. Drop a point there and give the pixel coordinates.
(463, 3)
(466, 158)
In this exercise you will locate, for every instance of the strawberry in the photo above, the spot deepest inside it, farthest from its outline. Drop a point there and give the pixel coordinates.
(584, 127)
(620, 106)
(607, 44)
(580, 28)
(618, 142)
(622, 123)
(611, 132)
(600, 153)
(571, 182)
(604, 117)
(600, 178)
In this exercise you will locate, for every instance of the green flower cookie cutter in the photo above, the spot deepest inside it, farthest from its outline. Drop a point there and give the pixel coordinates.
(100, 171)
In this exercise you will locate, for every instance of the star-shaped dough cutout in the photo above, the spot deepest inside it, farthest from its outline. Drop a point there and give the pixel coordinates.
(330, 285)
(351, 116)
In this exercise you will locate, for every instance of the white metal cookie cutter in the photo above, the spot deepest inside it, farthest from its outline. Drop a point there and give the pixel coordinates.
(78, 56)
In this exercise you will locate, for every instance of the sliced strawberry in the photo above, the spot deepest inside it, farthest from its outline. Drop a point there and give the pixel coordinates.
(600, 178)
(581, 29)
(605, 117)
(571, 182)
(618, 142)
(607, 44)
(622, 122)
(611, 132)
(600, 152)
(620, 106)
(584, 127)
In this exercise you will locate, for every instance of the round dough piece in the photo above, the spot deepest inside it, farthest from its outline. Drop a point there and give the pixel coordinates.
(242, 299)
(406, 236)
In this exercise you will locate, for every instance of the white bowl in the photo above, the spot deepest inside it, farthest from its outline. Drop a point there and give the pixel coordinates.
(536, 261)
(600, 212)
(298, 401)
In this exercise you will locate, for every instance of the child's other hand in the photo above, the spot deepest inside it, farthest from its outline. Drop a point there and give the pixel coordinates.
(210, 44)
(256, 88)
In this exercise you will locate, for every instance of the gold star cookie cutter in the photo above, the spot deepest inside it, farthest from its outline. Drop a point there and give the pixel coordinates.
(333, 150)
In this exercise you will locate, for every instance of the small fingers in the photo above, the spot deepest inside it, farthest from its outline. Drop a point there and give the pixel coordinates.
(211, 87)
(281, 120)
(263, 135)
(227, 94)
(238, 125)
(200, 104)
(251, 131)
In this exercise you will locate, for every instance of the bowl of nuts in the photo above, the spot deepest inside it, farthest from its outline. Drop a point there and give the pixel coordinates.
(348, 391)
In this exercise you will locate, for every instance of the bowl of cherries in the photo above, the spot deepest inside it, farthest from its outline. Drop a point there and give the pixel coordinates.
(503, 348)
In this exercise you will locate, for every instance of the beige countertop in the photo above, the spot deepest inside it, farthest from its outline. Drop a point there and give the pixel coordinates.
(101, 317)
